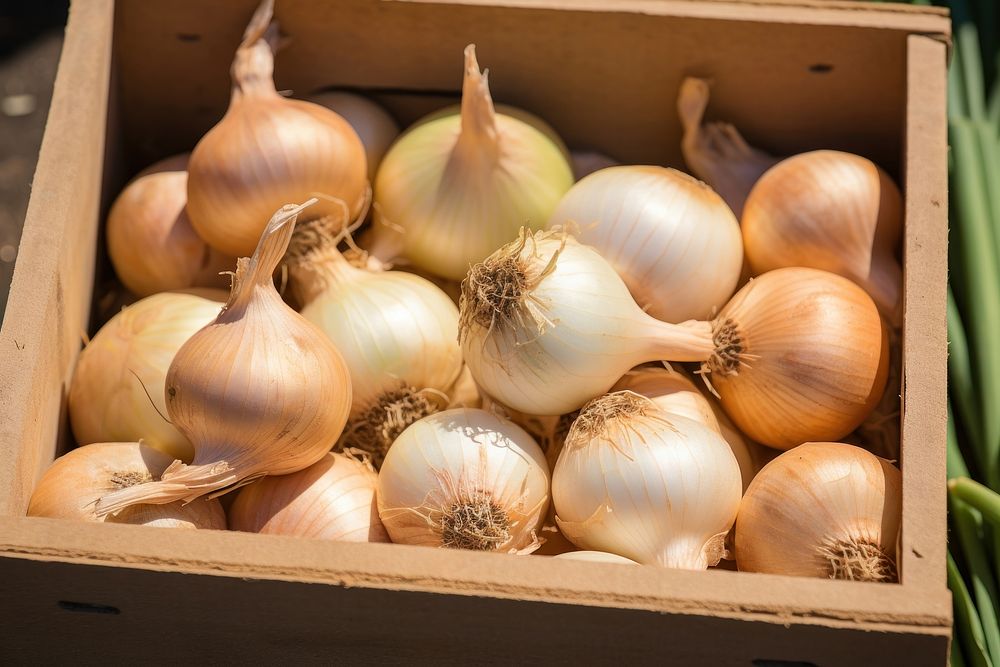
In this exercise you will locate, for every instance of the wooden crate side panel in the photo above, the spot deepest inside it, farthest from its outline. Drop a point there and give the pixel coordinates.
(154, 617)
(53, 279)
(925, 348)
(400, 567)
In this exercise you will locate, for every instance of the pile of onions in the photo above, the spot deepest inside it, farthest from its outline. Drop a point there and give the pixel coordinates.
(117, 393)
(459, 185)
(151, 242)
(259, 391)
(519, 385)
(71, 487)
(269, 150)
(671, 238)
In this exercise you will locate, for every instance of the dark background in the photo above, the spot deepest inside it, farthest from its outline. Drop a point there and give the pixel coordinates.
(31, 34)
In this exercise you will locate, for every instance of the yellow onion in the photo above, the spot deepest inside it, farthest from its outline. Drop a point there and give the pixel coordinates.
(268, 150)
(464, 479)
(151, 242)
(117, 389)
(259, 391)
(71, 487)
(670, 237)
(823, 509)
(829, 210)
(802, 355)
(375, 127)
(460, 185)
(397, 333)
(333, 499)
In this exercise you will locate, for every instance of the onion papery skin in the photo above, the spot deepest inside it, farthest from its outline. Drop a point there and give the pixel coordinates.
(823, 509)
(376, 128)
(151, 242)
(464, 462)
(833, 211)
(117, 392)
(657, 488)
(333, 499)
(461, 185)
(804, 357)
(71, 486)
(671, 238)
(569, 334)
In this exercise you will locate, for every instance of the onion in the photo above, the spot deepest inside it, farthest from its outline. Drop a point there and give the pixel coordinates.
(268, 150)
(671, 238)
(823, 509)
(259, 391)
(641, 483)
(72, 485)
(333, 499)
(151, 242)
(459, 185)
(464, 479)
(117, 393)
(802, 355)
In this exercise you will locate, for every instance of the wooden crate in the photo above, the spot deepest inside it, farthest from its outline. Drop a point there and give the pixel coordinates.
(141, 80)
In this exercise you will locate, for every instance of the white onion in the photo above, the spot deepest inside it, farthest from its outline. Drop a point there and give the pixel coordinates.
(641, 483)
(464, 478)
(671, 238)
(546, 325)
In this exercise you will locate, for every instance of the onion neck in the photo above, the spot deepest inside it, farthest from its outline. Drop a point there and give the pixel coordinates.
(254, 275)
(687, 341)
(716, 152)
(320, 272)
(253, 67)
(479, 136)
